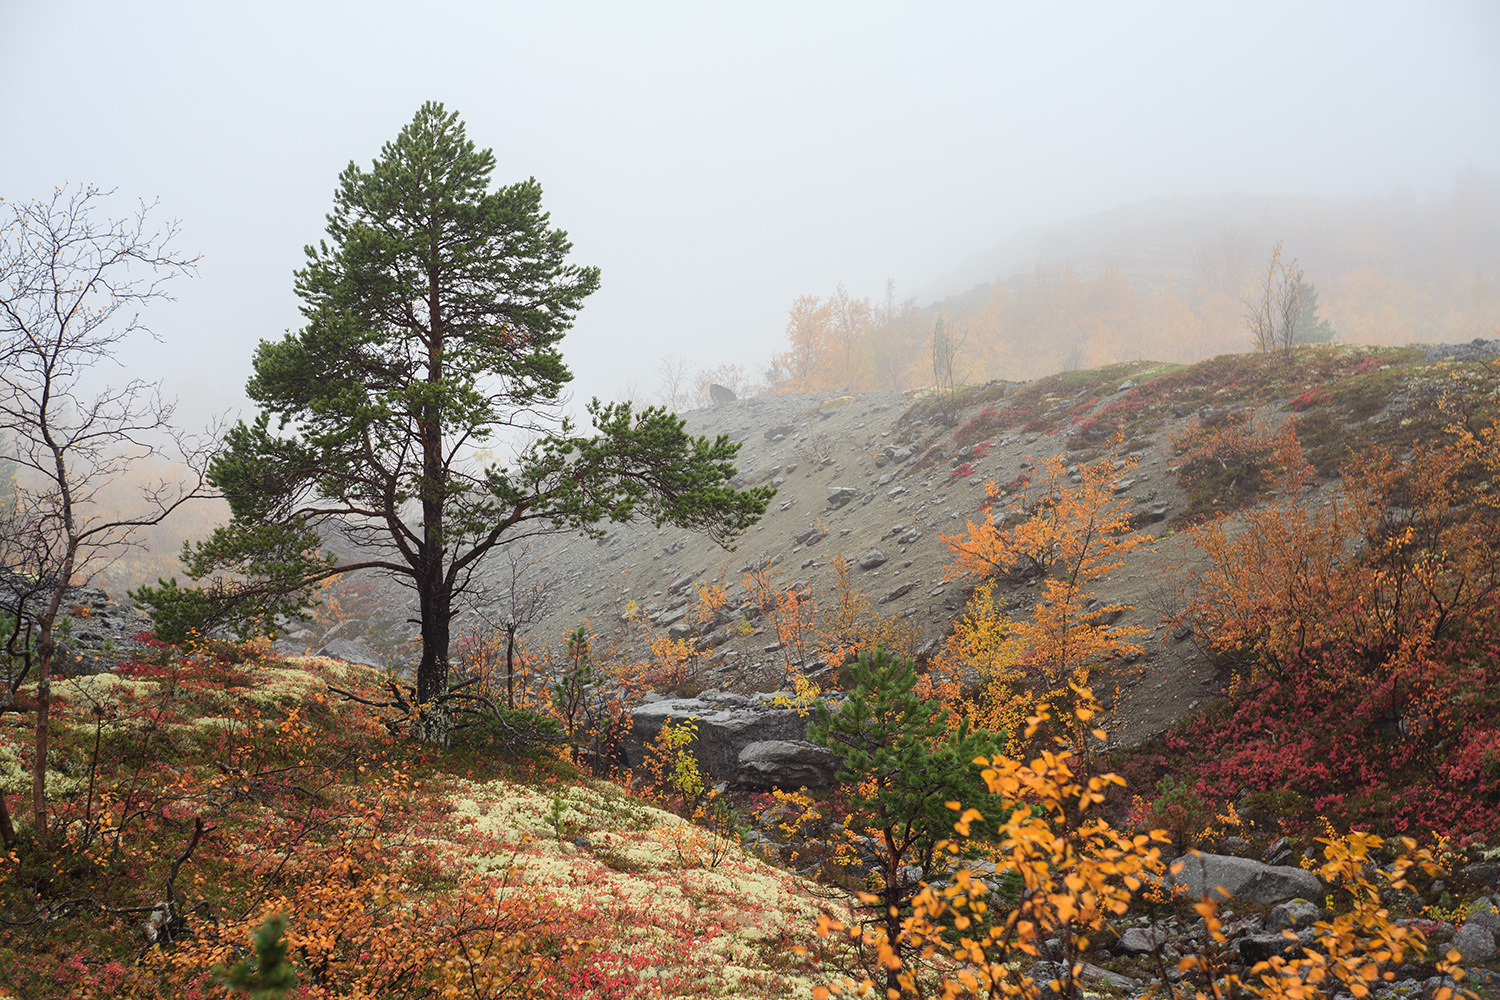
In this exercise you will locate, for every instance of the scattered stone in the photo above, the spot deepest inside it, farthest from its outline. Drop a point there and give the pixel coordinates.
(351, 651)
(1475, 943)
(840, 495)
(724, 729)
(1141, 940)
(1295, 915)
(872, 559)
(898, 593)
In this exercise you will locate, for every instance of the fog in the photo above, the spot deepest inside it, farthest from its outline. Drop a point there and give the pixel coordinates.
(718, 162)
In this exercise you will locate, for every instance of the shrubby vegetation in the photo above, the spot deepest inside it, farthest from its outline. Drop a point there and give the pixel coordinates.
(225, 821)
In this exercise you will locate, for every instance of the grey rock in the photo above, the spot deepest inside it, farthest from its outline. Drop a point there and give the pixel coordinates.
(671, 616)
(780, 431)
(1485, 914)
(1244, 880)
(872, 559)
(1259, 947)
(722, 732)
(680, 584)
(787, 765)
(840, 495)
(350, 651)
(1295, 915)
(715, 639)
(1475, 943)
(720, 394)
(1482, 872)
(1142, 940)
(1094, 974)
(898, 593)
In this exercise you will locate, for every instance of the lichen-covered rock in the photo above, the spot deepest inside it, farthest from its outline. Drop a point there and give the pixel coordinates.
(1474, 942)
(726, 725)
(787, 765)
(1294, 915)
(1244, 880)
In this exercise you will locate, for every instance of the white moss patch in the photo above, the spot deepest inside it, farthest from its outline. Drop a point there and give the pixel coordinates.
(14, 775)
(101, 687)
(693, 925)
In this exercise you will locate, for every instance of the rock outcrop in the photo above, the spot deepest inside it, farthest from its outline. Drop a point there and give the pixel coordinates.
(1244, 880)
(726, 725)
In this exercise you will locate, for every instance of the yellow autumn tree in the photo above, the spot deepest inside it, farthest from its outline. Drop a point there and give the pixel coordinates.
(1066, 536)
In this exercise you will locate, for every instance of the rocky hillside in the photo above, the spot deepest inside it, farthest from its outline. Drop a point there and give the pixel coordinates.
(880, 478)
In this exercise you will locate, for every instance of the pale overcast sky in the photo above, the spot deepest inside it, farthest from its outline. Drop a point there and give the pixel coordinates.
(715, 160)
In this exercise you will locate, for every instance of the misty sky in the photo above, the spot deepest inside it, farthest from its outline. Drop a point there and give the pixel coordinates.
(714, 160)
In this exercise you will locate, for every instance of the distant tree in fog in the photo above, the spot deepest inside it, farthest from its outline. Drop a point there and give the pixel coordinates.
(672, 381)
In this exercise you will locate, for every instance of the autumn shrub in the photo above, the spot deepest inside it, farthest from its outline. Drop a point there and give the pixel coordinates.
(902, 763)
(354, 927)
(1353, 951)
(979, 427)
(1078, 875)
(1361, 629)
(849, 625)
(1225, 463)
(1070, 536)
(513, 735)
(673, 666)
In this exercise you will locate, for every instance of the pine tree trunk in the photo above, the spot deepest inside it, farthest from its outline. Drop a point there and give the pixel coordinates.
(435, 603)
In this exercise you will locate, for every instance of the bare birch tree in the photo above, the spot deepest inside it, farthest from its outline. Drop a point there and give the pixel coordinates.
(71, 290)
(1272, 318)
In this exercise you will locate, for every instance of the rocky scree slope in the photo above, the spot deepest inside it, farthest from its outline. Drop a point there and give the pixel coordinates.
(879, 479)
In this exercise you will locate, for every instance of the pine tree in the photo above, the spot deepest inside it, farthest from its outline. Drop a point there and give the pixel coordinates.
(903, 764)
(434, 313)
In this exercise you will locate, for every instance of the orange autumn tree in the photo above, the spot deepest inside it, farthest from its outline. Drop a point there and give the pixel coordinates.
(1392, 561)
(1361, 618)
(1067, 537)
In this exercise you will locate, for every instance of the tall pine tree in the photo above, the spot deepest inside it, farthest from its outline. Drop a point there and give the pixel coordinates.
(434, 312)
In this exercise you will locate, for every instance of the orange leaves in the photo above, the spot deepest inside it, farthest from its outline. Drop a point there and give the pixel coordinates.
(1076, 532)
(1074, 875)
(1383, 566)
(1070, 536)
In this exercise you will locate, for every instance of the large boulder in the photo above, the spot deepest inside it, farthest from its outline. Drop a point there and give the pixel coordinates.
(787, 765)
(727, 724)
(1474, 942)
(1244, 880)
